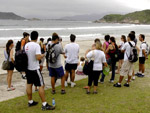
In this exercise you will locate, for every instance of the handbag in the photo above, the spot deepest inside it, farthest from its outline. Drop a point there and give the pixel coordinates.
(6, 64)
(88, 66)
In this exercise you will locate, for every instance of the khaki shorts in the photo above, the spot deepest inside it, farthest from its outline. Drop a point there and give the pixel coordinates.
(127, 68)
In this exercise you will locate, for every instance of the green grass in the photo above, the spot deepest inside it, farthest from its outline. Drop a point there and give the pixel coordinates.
(109, 99)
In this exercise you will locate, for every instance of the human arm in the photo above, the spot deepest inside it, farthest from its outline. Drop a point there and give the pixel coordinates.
(22, 44)
(11, 55)
(38, 55)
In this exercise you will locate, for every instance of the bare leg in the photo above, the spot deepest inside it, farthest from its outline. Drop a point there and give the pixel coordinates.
(42, 93)
(63, 83)
(53, 83)
(9, 78)
(129, 78)
(120, 79)
(143, 68)
(41, 68)
(95, 87)
(29, 91)
(66, 75)
(73, 75)
(89, 87)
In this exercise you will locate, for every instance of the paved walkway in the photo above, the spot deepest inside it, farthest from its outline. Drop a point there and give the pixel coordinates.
(20, 85)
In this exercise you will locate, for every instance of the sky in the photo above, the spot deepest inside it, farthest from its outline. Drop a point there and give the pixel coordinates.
(53, 9)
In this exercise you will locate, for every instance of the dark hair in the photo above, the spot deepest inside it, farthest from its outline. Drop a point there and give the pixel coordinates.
(55, 36)
(124, 38)
(97, 40)
(107, 37)
(131, 36)
(82, 59)
(142, 36)
(25, 34)
(72, 37)
(132, 32)
(49, 39)
(34, 35)
(42, 39)
(113, 39)
(8, 45)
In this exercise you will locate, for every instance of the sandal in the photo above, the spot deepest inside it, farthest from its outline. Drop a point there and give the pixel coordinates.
(10, 89)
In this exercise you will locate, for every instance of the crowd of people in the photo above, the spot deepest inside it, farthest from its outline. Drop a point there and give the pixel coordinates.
(103, 55)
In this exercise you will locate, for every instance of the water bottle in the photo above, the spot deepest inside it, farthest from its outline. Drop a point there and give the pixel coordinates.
(53, 102)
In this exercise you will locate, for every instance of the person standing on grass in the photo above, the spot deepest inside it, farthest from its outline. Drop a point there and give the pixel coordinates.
(8, 53)
(121, 54)
(111, 50)
(127, 66)
(72, 58)
(33, 73)
(105, 47)
(99, 59)
(55, 67)
(142, 56)
(43, 50)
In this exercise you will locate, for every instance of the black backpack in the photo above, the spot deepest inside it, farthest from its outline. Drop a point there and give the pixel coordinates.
(18, 46)
(51, 54)
(21, 61)
(133, 57)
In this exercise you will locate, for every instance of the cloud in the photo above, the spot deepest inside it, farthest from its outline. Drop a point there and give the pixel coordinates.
(61, 8)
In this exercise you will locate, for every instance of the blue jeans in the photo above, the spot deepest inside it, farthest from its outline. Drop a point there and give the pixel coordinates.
(113, 66)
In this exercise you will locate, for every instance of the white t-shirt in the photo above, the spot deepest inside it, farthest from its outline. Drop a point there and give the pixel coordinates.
(32, 49)
(143, 46)
(127, 49)
(99, 59)
(72, 53)
(121, 45)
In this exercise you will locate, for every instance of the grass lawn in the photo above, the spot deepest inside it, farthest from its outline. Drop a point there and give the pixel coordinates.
(135, 99)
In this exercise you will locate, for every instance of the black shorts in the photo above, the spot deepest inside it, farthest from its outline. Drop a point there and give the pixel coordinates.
(35, 77)
(121, 56)
(142, 60)
(69, 67)
(11, 66)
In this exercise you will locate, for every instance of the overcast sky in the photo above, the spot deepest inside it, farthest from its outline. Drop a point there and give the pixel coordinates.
(52, 9)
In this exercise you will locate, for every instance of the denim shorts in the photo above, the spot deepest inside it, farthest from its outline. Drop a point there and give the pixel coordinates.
(56, 72)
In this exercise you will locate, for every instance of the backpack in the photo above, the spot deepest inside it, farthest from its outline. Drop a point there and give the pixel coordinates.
(114, 55)
(147, 48)
(21, 61)
(18, 46)
(133, 57)
(51, 54)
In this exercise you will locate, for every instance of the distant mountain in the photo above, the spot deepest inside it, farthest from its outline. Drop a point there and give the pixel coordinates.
(138, 17)
(10, 15)
(90, 17)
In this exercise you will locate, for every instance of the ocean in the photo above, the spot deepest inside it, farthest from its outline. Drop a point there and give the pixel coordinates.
(84, 30)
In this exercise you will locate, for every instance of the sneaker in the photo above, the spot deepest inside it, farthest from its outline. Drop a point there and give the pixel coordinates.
(47, 107)
(111, 81)
(63, 92)
(126, 85)
(88, 92)
(95, 92)
(102, 82)
(137, 74)
(140, 75)
(10, 89)
(53, 92)
(127, 80)
(66, 84)
(24, 77)
(36, 90)
(73, 84)
(133, 78)
(32, 104)
(117, 85)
